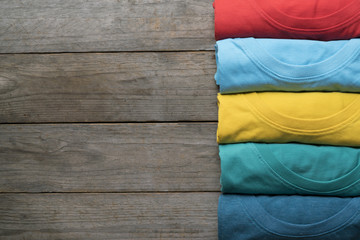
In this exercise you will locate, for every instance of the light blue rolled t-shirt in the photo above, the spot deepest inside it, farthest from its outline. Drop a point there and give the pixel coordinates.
(249, 64)
(248, 217)
(290, 168)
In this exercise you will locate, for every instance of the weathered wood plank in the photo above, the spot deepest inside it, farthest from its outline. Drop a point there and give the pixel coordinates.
(111, 87)
(108, 216)
(107, 25)
(109, 157)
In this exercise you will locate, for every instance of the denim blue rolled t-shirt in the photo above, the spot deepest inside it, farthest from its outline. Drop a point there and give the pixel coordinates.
(249, 64)
(248, 217)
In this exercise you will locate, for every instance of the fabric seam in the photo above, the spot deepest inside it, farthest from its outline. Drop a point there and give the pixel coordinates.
(293, 185)
(338, 228)
(274, 22)
(332, 129)
(271, 73)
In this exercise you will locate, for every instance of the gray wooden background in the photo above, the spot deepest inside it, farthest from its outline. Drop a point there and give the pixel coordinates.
(108, 120)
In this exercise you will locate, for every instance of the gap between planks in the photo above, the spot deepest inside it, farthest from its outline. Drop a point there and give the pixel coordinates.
(111, 52)
(106, 123)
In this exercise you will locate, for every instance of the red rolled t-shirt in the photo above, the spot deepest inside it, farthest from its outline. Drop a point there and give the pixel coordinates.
(303, 19)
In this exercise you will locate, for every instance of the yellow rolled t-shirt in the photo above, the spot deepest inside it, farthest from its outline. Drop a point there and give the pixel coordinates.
(330, 118)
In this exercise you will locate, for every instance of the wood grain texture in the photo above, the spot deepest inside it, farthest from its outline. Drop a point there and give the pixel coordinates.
(108, 216)
(109, 157)
(106, 25)
(111, 87)
(89, 181)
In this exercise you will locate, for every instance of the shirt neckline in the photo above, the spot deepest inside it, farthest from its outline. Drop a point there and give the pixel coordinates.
(315, 186)
(301, 125)
(300, 73)
(340, 17)
(282, 228)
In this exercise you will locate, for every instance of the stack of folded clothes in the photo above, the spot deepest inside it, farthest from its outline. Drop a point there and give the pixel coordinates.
(289, 119)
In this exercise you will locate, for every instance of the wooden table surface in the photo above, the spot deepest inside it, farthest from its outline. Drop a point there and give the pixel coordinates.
(108, 120)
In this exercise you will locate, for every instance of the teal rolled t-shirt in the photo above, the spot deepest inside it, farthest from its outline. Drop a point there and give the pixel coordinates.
(261, 168)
